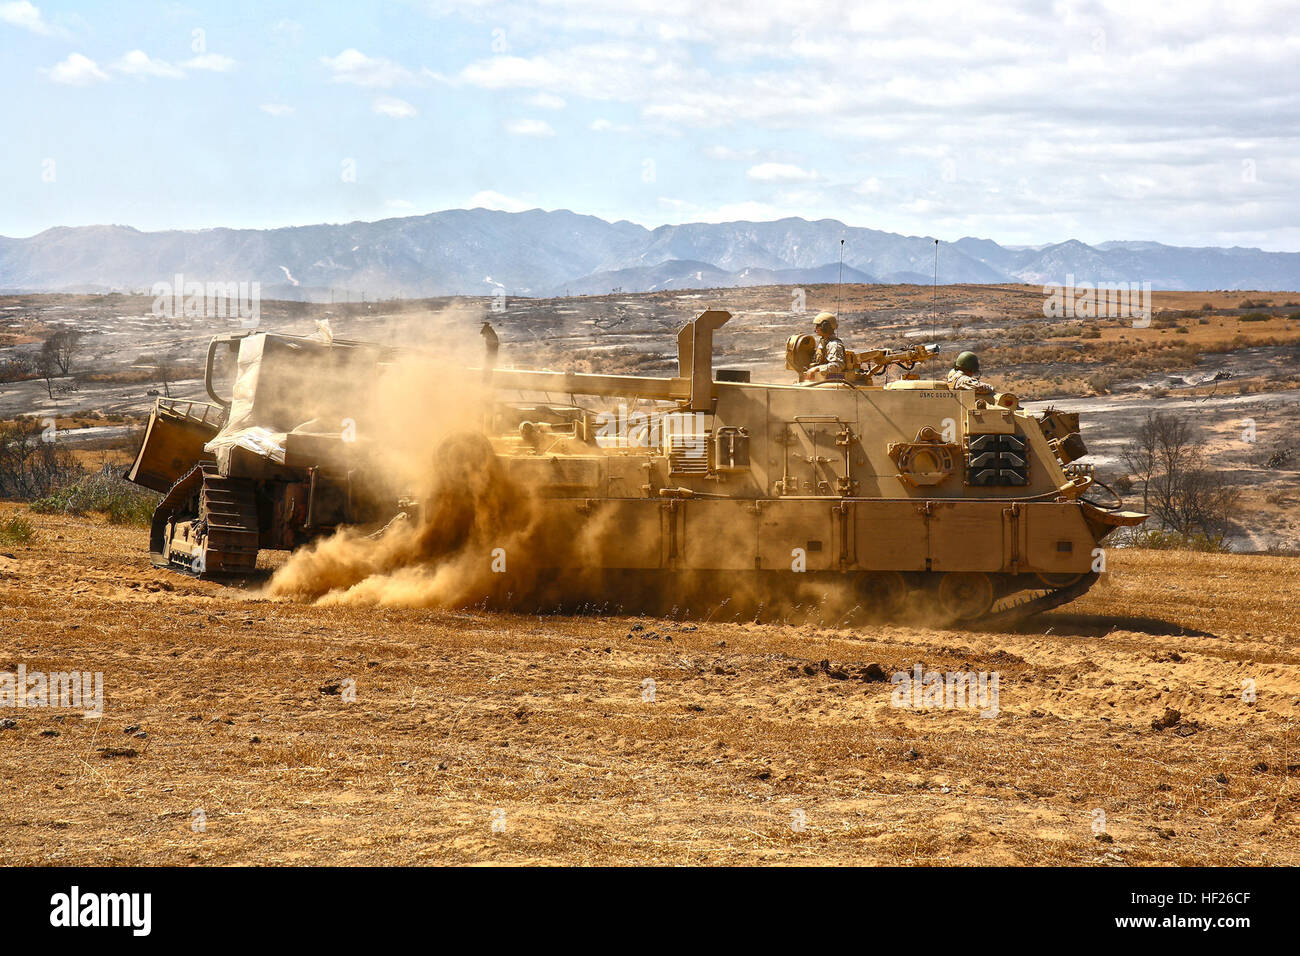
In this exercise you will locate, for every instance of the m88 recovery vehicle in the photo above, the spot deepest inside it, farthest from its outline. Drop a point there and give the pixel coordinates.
(911, 492)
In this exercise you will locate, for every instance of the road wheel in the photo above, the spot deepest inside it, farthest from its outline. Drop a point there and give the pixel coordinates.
(964, 595)
(883, 593)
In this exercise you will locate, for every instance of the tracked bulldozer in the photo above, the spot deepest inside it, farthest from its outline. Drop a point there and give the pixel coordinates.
(909, 491)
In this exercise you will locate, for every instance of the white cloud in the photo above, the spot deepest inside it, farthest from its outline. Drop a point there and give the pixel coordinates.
(210, 61)
(916, 117)
(781, 173)
(488, 199)
(501, 72)
(394, 107)
(597, 71)
(676, 205)
(1143, 130)
(139, 63)
(276, 109)
(747, 211)
(546, 101)
(685, 114)
(25, 15)
(77, 70)
(288, 30)
(399, 205)
(727, 152)
(529, 127)
(353, 66)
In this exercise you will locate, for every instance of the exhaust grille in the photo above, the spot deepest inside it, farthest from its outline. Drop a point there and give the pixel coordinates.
(688, 454)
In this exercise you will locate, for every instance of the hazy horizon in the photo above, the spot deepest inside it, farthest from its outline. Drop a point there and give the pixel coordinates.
(649, 227)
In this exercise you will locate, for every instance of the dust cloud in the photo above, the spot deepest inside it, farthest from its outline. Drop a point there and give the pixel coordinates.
(419, 432)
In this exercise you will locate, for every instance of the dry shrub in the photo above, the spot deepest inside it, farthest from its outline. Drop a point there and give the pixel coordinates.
(30, 465)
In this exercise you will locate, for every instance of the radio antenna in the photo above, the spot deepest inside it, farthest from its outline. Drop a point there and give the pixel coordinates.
(839, 285)
(934, 303)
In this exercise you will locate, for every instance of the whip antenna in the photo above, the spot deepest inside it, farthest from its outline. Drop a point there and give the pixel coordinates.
(839, 284)
(934, 303)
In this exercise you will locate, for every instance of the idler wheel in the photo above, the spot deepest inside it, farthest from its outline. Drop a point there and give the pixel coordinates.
(1058, 579)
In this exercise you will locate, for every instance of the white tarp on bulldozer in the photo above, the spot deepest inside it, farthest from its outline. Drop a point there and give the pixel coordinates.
(260, 441)
(247, 426)
(238, 431)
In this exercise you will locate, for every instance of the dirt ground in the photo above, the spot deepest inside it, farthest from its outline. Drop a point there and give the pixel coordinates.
(283, 733)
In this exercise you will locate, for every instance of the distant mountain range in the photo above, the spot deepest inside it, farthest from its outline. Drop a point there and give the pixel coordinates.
(539, 253)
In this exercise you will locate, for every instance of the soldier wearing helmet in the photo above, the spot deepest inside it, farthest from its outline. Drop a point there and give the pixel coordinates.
(830, 359)
(965, 374)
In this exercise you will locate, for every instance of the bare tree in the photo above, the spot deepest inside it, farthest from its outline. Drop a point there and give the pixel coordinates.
(47, 366)
(1204, 502)
(30, 465)
(65, 344)
(166, 367)
(1178, 486)
(1142, 456)
(1177, 451)
(17, 369)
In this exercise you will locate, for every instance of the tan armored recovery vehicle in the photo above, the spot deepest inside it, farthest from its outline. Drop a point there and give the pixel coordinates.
(912, 493)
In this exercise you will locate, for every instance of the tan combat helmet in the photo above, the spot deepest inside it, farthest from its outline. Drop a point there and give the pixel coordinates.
(828, 319)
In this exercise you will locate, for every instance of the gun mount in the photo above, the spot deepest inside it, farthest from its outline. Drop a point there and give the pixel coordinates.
(860, 367)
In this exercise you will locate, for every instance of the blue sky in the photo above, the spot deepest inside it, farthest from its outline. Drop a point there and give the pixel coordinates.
(1023, 122)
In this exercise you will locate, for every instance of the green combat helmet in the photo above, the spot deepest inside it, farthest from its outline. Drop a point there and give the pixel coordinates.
(968, 362)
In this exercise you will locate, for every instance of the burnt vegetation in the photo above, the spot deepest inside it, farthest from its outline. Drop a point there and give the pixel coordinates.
(32, 464)
(36, 468)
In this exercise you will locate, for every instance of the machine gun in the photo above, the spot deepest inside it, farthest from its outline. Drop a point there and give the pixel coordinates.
(859, 367)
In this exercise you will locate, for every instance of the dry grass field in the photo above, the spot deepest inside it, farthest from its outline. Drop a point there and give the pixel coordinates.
(511, 738)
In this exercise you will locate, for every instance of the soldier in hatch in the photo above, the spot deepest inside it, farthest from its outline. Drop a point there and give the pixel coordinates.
(965, 374)
(829, 360)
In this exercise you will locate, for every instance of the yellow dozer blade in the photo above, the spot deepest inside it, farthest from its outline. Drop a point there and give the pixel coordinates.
(173, 442)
